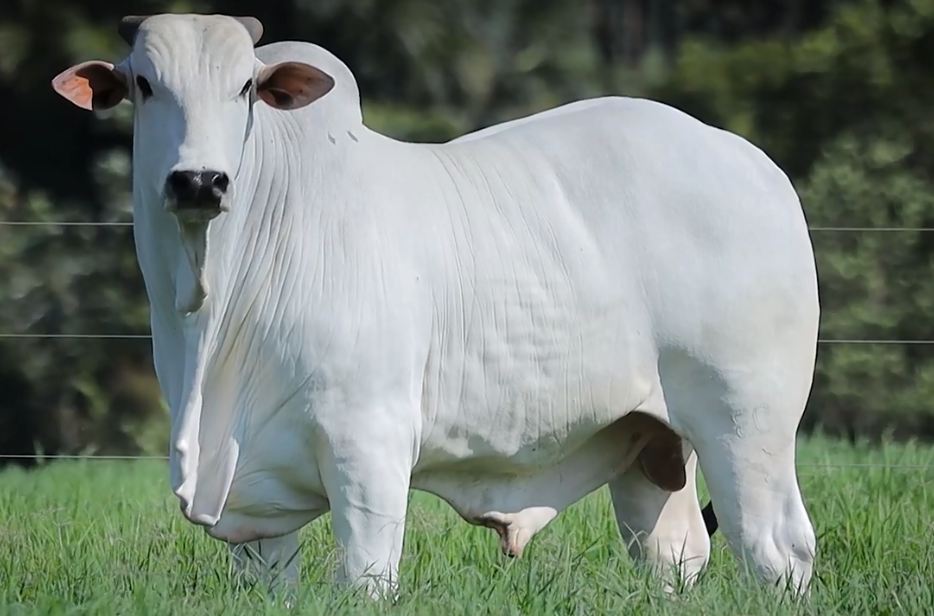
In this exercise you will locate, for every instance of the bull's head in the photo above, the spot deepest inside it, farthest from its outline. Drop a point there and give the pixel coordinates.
(194, 80)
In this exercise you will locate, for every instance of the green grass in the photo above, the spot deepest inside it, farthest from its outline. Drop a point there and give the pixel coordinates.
(98, 537)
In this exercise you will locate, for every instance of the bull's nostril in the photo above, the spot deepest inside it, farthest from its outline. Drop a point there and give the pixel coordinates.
(181, 184)
(199, 190)
(221, 182)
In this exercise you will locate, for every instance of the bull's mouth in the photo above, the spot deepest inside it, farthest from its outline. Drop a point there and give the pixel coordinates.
(196, 211)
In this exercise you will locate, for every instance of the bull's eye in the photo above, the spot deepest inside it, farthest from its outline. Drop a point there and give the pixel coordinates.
(246, 87)
(144, 87)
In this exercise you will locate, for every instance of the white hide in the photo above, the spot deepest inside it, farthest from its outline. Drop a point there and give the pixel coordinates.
(479, 319)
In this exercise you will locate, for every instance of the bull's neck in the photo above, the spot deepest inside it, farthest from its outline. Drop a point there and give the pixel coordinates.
(279, 204)
(279, 209)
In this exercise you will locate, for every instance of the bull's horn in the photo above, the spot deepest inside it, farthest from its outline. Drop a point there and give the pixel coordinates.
(131, 23)
(128, 27)
(253, 26)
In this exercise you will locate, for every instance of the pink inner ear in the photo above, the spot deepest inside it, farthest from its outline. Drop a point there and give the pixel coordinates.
(291, 85)
(276, 97)
(91, 85)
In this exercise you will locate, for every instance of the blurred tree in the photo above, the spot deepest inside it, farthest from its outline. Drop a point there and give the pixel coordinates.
(837, 91)
(845, 110)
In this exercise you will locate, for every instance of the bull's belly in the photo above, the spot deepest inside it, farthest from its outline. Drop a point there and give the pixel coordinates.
(519, 500)
(507, 441)
(533, 416)
(541, 435)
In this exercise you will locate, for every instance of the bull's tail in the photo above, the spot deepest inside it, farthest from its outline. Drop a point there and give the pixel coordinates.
(710, 518)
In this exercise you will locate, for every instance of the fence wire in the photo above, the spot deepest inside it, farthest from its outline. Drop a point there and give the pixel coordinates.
(125, 223)
(36, 223)
(149, 337)
(809, 465)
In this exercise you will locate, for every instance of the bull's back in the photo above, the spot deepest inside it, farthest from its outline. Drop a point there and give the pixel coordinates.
(696, 220)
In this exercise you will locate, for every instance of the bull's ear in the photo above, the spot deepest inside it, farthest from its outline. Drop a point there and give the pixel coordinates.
(291, 85)
(91, 85)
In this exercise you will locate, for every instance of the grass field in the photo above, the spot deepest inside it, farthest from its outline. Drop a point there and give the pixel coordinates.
(99, 537)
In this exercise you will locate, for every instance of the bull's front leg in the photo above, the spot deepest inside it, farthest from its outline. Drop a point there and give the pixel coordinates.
(274, 563)
(366, 470)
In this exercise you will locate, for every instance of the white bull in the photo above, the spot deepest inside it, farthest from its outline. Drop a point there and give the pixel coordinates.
(606, 292)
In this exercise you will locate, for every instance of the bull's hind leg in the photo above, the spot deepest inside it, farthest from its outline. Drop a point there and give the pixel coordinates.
(660, 519)
(743, 425)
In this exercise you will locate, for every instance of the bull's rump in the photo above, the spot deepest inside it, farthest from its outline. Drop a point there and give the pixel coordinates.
(579, 246)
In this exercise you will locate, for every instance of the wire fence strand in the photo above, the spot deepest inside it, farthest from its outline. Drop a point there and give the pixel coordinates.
(870, 229)
(124, 223)
(13, 456)
(81, 336)
(868, 341)
(28, 223)
(811, 465)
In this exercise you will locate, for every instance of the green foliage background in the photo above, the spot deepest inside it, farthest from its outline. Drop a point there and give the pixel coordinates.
(839, 93)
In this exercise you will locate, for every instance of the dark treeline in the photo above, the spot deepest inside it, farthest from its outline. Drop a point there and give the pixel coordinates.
(840, 93)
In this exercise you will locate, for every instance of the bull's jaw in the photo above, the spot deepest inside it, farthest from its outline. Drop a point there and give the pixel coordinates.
(191, 287)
